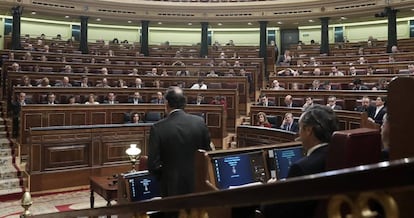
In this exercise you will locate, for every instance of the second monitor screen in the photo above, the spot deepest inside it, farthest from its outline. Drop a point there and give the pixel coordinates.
(239, 169)
(284, 157)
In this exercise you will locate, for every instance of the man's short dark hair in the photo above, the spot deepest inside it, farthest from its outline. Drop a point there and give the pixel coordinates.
(323, 121)
(175, 97)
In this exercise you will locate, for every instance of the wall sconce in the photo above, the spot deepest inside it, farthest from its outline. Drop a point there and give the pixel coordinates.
(133, 153)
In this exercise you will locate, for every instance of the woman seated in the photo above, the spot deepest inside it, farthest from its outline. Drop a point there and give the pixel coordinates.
(135, 118)
(121, 84)
(92, 99)
(44, 82)
(262, 120)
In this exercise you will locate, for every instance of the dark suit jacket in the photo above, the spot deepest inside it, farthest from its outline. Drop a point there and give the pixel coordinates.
(155, 101)
(337, 107)
(379, 116)
(293, 128)
(362, 87)
(314, 163)
(195, 102)
(368, 109)
(46, 102)
(269, 103)
(173, 142)
(281, 60)
(131, 101)
(16, 107)
(107, 102)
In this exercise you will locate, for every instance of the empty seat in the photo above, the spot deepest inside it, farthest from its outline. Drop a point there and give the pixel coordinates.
(298, 101)
(275, 121)
(381, 71)
(349, 148)
(117, 71)
(214, 85)
(152, 117)
(46, 69)
(336, 86)
(360, 71)
(341, 103)
(229, 85)
(319, 101)
(404, 71)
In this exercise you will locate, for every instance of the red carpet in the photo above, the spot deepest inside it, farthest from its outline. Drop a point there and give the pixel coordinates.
(52, 202)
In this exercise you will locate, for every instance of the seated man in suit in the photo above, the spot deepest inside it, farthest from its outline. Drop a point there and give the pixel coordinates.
(264, 101)
(137, 83)
(365, 105)
(289, 101)
(289, 123)
(110, 99)
(65, 83)
(316, 126)
(316, 85)
(332, 103)
(159, 99)
(199, 100)
(378, 114)
(104, 83)
(308, 103)
(84, 82)
(358, 85)
(136, 99)
(50, 99)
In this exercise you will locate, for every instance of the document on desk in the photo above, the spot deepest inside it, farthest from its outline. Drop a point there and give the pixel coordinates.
(245, 185)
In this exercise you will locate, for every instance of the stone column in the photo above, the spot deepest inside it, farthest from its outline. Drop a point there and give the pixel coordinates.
(83, 45)
(144, 37)
(392, 28)
(263, 47)
(204, 35)
(17, 13)
(324, 49)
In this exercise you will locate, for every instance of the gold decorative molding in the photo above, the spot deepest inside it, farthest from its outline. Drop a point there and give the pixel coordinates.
(385, 201)
(362, 205)
(337, 202)
(193, 213)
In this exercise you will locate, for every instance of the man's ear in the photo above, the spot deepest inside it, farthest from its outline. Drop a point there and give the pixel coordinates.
(307, 130)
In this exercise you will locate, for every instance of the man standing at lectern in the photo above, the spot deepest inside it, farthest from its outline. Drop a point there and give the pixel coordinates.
(172, 144)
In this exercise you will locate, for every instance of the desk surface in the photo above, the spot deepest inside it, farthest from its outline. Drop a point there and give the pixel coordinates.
(105, 187)
(104, 183)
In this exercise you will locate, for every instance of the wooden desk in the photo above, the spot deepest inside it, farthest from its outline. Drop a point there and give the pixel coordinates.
(37, 94)
(237, 82)
(104, 186)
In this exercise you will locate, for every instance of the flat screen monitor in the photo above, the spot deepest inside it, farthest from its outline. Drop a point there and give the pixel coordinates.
(283, 158)
(141, 185)
(239, 169)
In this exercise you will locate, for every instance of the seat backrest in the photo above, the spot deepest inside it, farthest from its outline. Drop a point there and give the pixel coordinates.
(152, 117)
(275, 121)
(214, 85)
(350, 148)
(143, 162)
